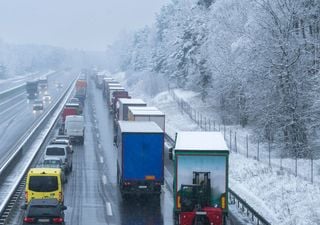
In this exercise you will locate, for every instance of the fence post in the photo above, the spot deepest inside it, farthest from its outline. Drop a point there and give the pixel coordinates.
(296, 164)
(230, 139)
(235, 142)
(200, 120)
(205, 123)
(311, 170)
(269, 147)
(214, 125)
(247, 144)
(209, 125)
(224, 131)
(258, 150)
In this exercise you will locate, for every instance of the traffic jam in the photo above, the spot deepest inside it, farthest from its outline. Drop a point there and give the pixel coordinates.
(200, 160)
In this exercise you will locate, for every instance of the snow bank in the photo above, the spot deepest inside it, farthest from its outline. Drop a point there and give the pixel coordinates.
(280, 197)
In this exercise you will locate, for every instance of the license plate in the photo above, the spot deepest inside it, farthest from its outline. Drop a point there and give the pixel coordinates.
(44, 220)
(142, 187)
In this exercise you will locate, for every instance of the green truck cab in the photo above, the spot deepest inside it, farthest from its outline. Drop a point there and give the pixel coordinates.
(200, 181)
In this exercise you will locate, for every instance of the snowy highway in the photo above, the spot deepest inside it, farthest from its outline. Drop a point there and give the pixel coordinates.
(16, 113)
(92, 195)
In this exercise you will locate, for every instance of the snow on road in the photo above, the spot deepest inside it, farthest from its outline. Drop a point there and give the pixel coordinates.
(281, 198)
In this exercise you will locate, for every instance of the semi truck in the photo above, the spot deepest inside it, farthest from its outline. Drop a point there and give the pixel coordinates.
(106, 82)
(43, 84)
(147, 114)
(32, 89)
(115, 96)
(81, 90)
(124, 103)
(200, 181)
(111, 90)
(140, 163)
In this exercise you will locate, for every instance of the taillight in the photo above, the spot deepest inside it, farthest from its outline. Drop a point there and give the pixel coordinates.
(178, 201)
(60, 197)
(127, 183)
(223, 201)
(57, 220)
(28, 220)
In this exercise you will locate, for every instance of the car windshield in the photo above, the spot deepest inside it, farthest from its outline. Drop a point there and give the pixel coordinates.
(43, 210)
(43, 183)
(55, 151)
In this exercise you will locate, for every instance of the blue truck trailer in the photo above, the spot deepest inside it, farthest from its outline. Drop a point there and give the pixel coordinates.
(140, 161)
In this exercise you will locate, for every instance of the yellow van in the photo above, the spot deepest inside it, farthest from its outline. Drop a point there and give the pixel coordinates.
(44, 183)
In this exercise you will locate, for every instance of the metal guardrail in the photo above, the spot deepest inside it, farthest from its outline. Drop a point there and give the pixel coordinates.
(246, 208)
(236, 199)
(55, 109)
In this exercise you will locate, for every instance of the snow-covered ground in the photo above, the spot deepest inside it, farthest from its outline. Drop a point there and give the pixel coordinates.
(277, 195)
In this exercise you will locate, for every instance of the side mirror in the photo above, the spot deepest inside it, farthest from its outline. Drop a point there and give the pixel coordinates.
(115, 140)
(170, 153)
(64, 207)
(24, 207)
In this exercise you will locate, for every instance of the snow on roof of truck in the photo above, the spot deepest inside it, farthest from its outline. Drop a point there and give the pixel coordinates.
(131, 101)
(145, 108)
(139, 127)
(146, 112)
(116, 88)
(114, 84)
(197, 140)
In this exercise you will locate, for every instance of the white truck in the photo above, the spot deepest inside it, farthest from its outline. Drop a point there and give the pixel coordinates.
(147, 114)
(124, 103)
(74, 128)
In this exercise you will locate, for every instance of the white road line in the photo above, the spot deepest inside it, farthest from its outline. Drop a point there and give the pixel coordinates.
(101, 159)
(109, 209)
(99, 146)
(98, 135)
(104, 179)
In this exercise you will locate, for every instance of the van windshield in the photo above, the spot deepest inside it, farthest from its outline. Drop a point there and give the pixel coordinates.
(55, 151)
(43, 183)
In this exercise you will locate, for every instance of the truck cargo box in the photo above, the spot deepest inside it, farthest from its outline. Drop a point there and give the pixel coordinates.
(140, 157)
(144, 114)
(110, 93)
(200, 166)
(124, 103)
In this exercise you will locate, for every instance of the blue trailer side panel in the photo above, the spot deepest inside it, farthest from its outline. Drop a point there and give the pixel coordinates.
(142, 156)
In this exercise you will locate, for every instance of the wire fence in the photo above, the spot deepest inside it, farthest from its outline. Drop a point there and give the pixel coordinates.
(251, 147)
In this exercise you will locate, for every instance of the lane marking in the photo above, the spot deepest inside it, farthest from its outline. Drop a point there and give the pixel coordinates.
(99, 146)
(101, 159)
(104, 179)
(109, 209)
(98, 135)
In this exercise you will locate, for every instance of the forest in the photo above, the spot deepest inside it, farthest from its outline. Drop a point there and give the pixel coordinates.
(257, 60)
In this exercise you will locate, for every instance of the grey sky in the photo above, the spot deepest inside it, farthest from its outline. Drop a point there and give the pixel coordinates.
(82, 24)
